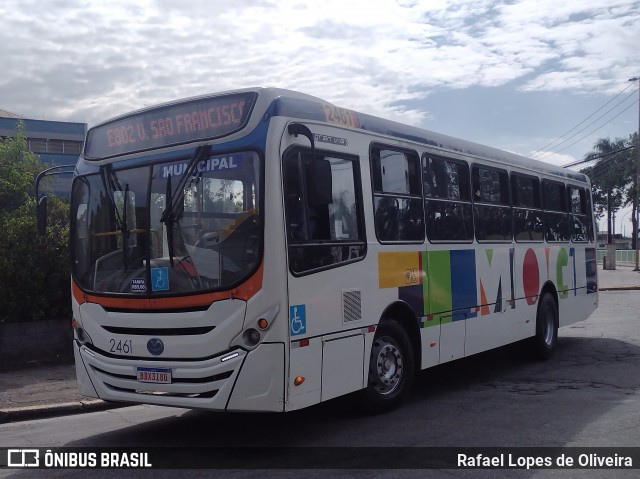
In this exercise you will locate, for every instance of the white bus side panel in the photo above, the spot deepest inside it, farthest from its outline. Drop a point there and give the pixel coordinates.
(342, 366)
(263, 388)
(504, 315)
(334, 361)
(430, 337)
(452, 337)
(483, 296)
(305, 362)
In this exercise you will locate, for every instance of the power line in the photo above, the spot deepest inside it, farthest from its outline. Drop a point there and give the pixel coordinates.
(603, 167)
(589, 160)
(592, 131)
(566, 133)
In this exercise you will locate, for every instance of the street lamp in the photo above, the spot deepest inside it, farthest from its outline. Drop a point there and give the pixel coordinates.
(635, 233)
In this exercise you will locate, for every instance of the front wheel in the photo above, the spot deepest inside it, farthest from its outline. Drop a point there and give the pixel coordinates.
(544, 342)
(391, 368)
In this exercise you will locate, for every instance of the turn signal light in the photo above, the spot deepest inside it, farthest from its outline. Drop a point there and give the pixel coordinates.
(263, 323)
(298, 380)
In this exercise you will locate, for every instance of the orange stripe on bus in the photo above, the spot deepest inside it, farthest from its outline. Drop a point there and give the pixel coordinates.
(245, 291)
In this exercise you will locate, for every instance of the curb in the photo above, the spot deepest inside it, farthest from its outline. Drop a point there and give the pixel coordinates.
(44, 411)
(620, 288)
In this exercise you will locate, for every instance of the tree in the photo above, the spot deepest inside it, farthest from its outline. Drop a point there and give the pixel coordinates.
(34, 270)
(610, 178)
(17, 166)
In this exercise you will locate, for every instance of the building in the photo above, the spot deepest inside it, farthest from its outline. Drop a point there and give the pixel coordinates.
(56, 142)
(620, 241)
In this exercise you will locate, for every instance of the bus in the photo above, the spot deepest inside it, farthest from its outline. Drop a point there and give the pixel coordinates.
(265, 250)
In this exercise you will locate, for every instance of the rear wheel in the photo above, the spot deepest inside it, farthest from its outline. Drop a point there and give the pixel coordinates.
(546, 338)
(391, 368)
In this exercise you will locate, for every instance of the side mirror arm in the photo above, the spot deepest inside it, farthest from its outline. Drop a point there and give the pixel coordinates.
(296, 129)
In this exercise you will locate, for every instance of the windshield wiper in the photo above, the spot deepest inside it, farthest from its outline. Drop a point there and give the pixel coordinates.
(111, 185)
(125, 229)
(175, 197)
(168, 219)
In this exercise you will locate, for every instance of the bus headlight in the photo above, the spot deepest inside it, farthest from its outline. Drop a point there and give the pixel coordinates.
(81, 335)
(251, 337)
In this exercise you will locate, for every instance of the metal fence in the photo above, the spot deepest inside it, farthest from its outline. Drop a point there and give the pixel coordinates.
(622, 255)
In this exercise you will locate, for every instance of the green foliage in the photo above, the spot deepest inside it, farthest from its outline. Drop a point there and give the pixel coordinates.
(34, 270)
(611, 175)
(17, 166)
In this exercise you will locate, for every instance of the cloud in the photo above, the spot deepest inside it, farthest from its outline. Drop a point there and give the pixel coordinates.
(87, 60)
(558, 159)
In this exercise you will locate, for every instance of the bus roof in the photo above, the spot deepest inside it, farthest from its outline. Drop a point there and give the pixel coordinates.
(293, 104)
(297, 105)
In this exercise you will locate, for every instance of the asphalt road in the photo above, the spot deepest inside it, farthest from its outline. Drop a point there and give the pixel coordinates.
(587, 395)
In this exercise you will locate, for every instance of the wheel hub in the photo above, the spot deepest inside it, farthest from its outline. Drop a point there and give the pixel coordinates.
(386, 373)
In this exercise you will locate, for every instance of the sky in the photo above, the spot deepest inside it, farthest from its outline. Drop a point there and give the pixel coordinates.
(529, 76)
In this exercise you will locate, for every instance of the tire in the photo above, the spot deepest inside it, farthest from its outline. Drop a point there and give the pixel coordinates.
(546, 338)
(391, 369)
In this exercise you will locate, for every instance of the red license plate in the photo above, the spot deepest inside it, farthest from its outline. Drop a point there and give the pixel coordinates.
(154, 375)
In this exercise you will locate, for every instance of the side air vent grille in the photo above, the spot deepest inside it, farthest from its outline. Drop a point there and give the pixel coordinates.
(351, 305)
(160, 331)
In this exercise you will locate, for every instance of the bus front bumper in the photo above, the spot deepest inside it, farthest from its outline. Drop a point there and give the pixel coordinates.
(204, 384)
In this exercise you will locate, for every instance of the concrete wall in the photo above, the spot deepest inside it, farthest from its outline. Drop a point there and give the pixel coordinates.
(24, 344)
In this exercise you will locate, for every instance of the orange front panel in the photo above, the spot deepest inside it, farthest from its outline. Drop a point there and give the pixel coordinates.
(245, 291)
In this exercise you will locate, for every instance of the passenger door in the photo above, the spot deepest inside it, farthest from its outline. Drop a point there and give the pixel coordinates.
(325, 247)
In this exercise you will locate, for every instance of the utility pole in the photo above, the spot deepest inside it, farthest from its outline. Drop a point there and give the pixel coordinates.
(637, 218)
(609, 228)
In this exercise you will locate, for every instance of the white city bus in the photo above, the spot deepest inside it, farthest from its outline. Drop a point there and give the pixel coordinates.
(264, 250)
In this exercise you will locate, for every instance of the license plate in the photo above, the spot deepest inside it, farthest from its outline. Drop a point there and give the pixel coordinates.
(154, 375)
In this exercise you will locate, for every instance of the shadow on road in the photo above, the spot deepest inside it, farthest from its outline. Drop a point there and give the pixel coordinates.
(498, 398)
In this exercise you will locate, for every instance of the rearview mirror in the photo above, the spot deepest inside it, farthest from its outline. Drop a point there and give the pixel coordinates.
(41, 215)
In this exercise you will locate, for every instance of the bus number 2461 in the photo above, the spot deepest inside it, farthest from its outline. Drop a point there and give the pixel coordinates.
(122, 346)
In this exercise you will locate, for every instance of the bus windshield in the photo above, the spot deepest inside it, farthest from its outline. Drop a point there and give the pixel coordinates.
(122, 245)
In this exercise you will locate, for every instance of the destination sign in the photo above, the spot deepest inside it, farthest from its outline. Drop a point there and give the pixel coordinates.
(201, 119)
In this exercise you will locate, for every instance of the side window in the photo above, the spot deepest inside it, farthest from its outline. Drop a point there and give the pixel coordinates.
(492, 213)
(556, 219)
(590, 227)
(397, 196)
(323, 210)
(579, 222)
(527, 208)
(447, 192)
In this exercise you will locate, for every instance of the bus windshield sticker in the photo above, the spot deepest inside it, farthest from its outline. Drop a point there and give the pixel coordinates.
(298, 319)
(138, 285)
(215, 163)
(160, 279)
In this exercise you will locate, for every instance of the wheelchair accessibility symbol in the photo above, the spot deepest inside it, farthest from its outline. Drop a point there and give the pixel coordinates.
(160, 279)
(297, 319)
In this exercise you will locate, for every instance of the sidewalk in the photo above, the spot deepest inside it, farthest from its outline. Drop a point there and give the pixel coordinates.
(50, 390)
(623, 277)
(43, 391)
